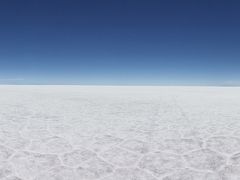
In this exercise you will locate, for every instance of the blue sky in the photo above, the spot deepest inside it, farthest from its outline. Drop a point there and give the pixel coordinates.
(126, 42)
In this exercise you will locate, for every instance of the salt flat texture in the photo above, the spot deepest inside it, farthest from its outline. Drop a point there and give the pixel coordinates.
(119, 133)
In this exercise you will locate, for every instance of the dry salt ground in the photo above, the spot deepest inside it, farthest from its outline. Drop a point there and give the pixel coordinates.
(119, 133)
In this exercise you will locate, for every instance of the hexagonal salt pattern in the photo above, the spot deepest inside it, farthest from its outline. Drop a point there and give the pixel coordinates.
(228, 145)
(188, 174)
(130, 174)
(205, 159)
(160, 163)
(94, 169)
(119, 133)
(77, 157)
(120, 157)
(61, 172)
(28, 164)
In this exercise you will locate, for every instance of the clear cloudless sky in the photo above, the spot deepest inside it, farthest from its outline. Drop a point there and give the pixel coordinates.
(125, 42)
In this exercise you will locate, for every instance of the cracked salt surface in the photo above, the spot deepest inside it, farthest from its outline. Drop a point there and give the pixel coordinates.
(119, 133)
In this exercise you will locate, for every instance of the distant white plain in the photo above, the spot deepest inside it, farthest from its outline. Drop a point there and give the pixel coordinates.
(119, 133)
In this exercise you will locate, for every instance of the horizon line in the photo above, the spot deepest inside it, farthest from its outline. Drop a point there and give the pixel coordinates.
(123, 85)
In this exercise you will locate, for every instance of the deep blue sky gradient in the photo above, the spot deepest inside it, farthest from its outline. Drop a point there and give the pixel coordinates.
(145, 42)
